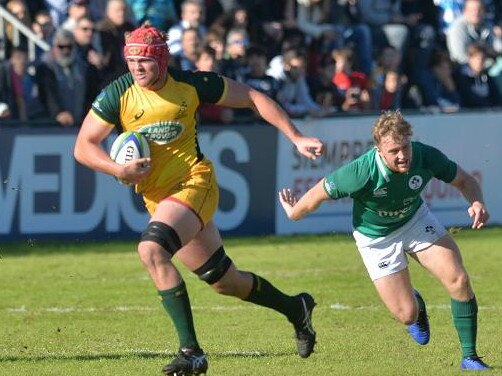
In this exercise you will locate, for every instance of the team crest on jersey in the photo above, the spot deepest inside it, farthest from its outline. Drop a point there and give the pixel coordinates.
(182, 110)
(415, 182)
(162, 132)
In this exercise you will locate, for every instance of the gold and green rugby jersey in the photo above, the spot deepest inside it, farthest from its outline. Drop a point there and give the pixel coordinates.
(384, 200)
(167, 118)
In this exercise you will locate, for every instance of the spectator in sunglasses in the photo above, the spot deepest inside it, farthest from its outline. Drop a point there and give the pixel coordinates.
(88, 43)
(65, 82)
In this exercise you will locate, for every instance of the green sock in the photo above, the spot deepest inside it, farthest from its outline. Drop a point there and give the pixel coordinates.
(465, 319)
(265, 294)
(177, 305)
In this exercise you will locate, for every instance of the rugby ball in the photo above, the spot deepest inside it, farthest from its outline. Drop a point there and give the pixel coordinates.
(129, 146)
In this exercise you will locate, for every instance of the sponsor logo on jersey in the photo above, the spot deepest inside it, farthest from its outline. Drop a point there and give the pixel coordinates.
(139, 114)
(415, 182)
(394, 213)
(382, 192)
(162, 132)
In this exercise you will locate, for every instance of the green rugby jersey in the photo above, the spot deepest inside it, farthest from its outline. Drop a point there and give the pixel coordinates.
(384, 200)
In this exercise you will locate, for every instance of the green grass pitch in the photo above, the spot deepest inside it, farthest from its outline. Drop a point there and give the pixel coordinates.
(90, 309)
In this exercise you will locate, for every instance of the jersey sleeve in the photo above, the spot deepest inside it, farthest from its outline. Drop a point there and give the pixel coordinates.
(441, 166)
(210, 86)
(107, 105)
(348, 180)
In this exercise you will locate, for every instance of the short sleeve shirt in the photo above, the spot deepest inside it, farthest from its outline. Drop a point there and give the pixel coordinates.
(384, 200)
(167, 118)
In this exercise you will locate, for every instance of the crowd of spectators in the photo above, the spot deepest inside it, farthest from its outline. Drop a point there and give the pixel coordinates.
(315, 57)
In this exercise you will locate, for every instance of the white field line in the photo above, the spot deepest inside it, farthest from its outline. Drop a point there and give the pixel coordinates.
(342, 307)
(334, 306)
(63, 310)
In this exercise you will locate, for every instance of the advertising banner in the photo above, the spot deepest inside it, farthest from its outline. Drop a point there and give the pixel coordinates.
(45, 193)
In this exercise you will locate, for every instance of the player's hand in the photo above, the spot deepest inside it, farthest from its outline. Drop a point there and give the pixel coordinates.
(134, 171)
(480, 214)
(288, 200)
(309, 147)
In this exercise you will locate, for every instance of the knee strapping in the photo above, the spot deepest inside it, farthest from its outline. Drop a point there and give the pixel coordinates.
(164, 235)
(214, 268)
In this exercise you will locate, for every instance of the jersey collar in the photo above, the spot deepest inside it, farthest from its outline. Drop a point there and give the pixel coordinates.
(381, 166)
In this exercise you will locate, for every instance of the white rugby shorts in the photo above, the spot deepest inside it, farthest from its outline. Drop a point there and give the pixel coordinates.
(386, 255)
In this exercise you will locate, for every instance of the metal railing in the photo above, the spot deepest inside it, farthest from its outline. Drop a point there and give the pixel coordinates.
(19, 28)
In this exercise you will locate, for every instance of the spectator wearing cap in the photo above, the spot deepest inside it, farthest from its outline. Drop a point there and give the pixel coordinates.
(66, 85)
(76, 10)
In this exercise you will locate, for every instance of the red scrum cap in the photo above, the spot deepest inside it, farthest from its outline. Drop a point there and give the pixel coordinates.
(148, 42)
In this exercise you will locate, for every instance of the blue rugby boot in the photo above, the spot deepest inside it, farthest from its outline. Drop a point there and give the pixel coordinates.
(474, 363)
(419, 330)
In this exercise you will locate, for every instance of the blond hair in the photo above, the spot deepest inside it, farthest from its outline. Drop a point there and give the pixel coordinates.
(391, 123)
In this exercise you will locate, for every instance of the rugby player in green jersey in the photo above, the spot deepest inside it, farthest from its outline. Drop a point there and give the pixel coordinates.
(391, 222)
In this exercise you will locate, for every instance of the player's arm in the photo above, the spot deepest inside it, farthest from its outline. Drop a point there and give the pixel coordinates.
(89, 152)
(243, 96)
(472, 192)
(297, 209)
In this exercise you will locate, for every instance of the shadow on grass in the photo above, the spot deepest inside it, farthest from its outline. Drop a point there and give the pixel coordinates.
(138, 354)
